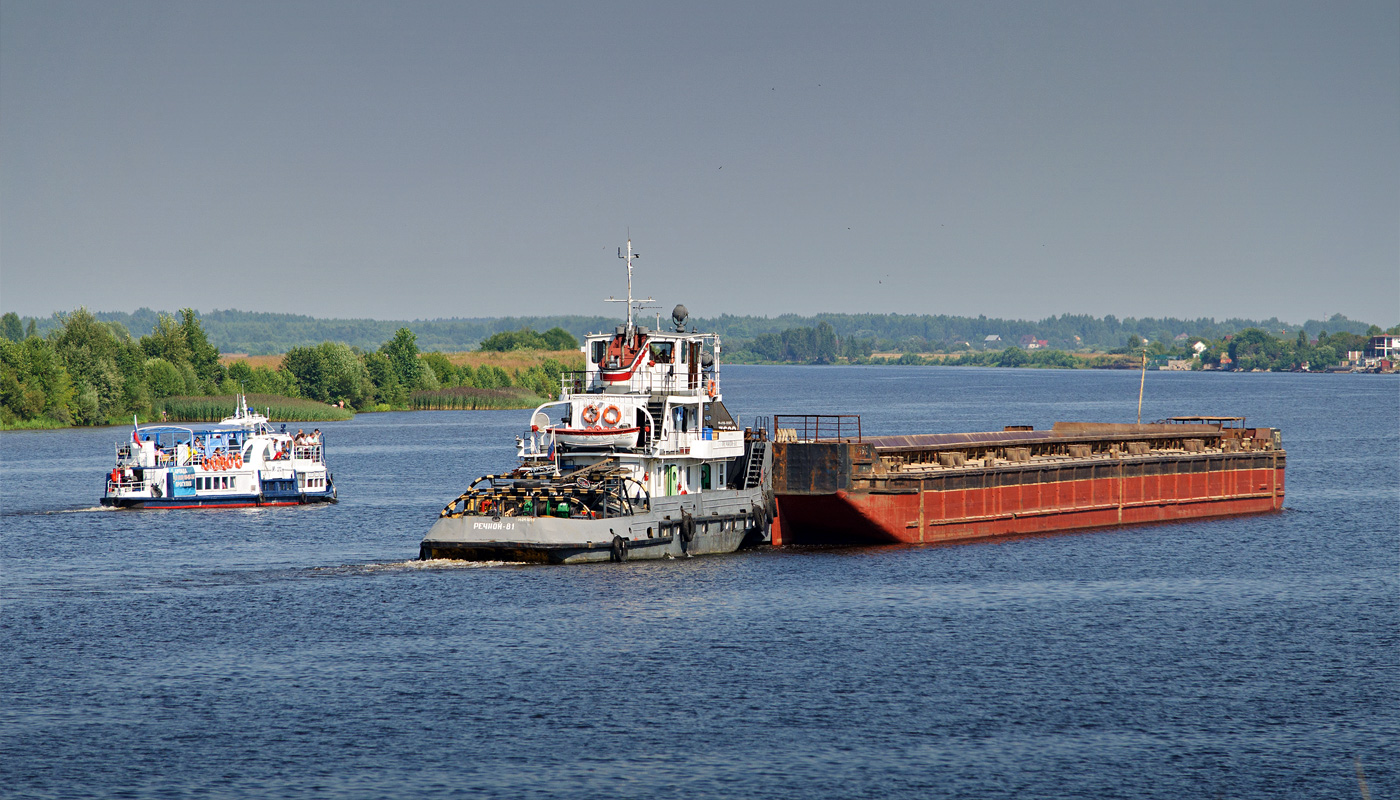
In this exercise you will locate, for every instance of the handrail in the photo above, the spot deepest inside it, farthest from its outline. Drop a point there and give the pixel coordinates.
(642, 381)
(816, 427)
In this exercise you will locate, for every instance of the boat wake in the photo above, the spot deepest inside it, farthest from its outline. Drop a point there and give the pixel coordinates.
(42, 512)
(404, 566)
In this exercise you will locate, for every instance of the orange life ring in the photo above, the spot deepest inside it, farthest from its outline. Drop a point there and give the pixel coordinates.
(611, 416)
(238, 462)
(711, 390)
(589, 415)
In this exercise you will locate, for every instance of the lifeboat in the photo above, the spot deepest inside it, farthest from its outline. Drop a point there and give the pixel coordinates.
(596, 438)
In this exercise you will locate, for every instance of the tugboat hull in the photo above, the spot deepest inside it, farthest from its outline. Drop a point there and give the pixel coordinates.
(675, 527)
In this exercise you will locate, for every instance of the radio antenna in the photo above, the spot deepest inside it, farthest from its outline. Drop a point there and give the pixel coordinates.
(630, 256)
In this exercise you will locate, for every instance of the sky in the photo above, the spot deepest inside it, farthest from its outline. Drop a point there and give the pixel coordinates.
(416, 160)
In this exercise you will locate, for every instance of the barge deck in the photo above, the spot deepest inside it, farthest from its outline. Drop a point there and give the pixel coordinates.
(834, 486)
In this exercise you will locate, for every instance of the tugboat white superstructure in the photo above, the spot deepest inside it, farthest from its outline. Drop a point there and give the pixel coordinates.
(237, 462)
(638, 458)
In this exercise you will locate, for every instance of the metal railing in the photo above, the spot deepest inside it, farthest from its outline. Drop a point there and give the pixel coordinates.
(816, 427)
(643, 381)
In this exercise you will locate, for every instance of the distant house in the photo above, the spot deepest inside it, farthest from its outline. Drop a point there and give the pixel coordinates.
(1181, 337)
(1386, 347)
(1199, 347)
(991, 338)
(1027, 340)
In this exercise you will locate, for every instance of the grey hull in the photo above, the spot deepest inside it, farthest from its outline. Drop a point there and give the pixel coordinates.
(723, 522)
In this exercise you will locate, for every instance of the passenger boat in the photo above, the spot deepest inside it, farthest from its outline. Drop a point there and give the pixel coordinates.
(834, 486)
(638, 458)
(239, 461)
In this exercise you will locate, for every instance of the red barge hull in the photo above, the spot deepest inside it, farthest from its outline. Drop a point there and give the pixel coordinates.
(957, 487)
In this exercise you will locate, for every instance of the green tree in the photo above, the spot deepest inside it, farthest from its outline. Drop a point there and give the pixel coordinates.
(163, 379)
(307, 368)
(167, 340)
(442, 368)
(489, 376)
(523, 339)
(825, 344)
(402, 352)
(346, 378)
(13, 330)
(34, 384)
(240, 372)
(90, 350)
(1012, 356)
(557, 338)
(204, 357)
(387, 388)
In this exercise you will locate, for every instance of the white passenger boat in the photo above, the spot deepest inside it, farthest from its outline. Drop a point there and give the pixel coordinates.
(638, 458)
(239, 461)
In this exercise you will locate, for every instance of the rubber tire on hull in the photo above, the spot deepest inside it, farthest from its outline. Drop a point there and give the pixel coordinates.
(619, 550)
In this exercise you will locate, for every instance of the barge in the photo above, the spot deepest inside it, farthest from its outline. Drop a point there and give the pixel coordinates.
(832, 485)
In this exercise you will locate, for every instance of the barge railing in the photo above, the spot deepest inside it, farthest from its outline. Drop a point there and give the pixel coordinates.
(816, 427)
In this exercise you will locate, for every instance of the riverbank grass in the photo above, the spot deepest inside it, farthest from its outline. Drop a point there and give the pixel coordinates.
(277, 408)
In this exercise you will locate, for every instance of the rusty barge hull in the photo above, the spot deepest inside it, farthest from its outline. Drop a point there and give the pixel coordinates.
(956, 487)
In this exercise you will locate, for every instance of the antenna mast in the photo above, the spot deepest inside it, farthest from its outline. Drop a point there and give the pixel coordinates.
(1143, 383)
(630, 302)
(629, 280)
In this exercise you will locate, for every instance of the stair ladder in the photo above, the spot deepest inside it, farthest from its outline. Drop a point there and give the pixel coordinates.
(753, 474)
(656, 406)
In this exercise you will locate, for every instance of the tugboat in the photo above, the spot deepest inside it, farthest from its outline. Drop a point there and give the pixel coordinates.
(238, 461)
(638, 458)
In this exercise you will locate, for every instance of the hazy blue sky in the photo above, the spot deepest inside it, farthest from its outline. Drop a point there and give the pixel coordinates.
(427, 159)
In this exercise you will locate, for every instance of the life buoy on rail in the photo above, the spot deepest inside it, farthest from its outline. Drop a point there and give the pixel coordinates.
(589, 415)
(238, 462)
(710, 389)
(611, 415)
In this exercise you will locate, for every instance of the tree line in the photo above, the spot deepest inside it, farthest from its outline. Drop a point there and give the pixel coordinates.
(85, 371)
(1250, 349)
(264, 333)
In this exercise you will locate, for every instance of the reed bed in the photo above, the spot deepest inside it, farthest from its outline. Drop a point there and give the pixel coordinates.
(470, 398)
(277, 408)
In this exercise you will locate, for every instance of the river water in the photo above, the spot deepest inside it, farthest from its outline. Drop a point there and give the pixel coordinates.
(301, 652)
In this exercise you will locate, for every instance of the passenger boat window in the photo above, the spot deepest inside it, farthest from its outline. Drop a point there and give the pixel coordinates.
(599, 348)
(661, 352)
